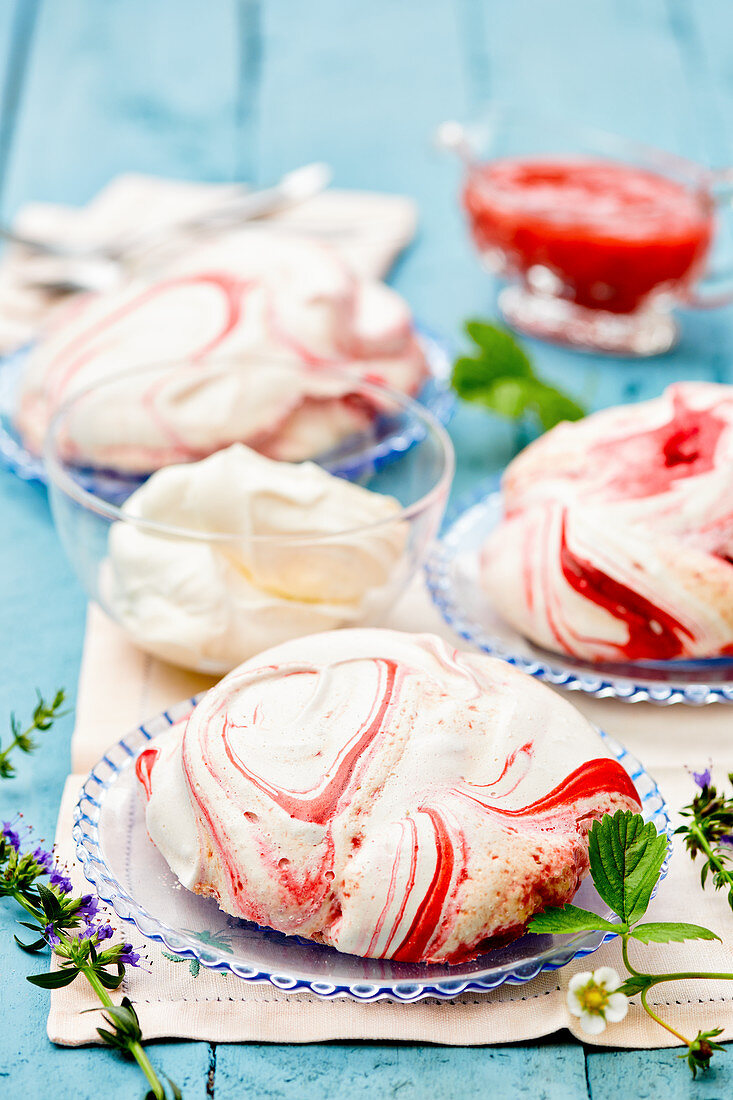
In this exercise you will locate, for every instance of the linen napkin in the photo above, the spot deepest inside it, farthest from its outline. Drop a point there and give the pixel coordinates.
(368, 229)
(120, 687)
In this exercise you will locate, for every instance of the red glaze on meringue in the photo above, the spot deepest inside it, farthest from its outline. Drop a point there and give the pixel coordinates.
(382, 793)
(617, 541)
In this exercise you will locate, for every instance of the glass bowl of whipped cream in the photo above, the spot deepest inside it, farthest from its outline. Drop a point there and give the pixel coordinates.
(213, 511)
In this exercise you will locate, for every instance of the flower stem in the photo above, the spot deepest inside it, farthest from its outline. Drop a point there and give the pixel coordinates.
(657, 979)
(678, 976)
(660, 1021)
(688, 975)
(135, 1048)
(714, 859)
(625, 955)
(17, 738)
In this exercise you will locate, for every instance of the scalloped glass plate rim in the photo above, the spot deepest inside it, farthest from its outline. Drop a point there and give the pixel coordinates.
(597, 682)
(86, 835)
(436, 396)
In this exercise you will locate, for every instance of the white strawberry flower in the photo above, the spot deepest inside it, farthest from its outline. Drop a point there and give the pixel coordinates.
(594, 999)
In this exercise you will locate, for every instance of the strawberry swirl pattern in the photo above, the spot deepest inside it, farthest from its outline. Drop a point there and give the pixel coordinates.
(257, 298)
(617, 537)
(382, 793)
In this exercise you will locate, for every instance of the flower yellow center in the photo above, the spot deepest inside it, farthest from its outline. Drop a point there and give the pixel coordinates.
(594, 998)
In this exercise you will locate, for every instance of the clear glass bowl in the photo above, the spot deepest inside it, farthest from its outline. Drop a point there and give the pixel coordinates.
(453, 581)
(127, 871)
(406, 454)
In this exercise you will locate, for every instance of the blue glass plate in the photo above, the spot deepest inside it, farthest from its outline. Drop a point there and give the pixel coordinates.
(348, 461)
(128, 872)
(452, 573)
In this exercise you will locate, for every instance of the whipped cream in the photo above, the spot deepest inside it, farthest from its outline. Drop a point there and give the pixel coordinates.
(381, 792)
(256, 298)
(617, 541)
(284, 550)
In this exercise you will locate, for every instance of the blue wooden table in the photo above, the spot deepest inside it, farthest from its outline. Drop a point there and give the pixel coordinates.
(240, 89)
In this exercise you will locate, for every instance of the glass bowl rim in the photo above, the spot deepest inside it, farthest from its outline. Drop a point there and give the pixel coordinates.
(60, 480)
(495, 112)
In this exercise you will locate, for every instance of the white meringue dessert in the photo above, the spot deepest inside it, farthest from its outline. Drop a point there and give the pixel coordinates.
(257, 298)
(284, 550)
(382, 793)
(617, 537)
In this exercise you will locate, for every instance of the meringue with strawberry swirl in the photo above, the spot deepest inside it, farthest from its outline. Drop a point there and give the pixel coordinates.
(617, 537)
(256, 298)
(382, 793)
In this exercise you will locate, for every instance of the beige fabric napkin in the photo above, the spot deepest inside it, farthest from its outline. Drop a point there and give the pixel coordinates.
(120, 687)
(368, 229)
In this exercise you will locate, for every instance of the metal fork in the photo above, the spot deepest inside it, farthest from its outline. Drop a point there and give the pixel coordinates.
(102, 268)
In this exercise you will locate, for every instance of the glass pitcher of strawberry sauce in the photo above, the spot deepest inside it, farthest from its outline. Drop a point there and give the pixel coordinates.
(595, 237)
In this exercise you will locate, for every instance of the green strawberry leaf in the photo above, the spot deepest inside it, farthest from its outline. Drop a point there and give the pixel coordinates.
(669, 931)
(566, 919)
(626, 856)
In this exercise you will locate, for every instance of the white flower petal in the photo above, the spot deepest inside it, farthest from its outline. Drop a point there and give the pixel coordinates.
(579, 980)
(617, 1007)
(592, 1023)
(575, 1004)
(607, 977)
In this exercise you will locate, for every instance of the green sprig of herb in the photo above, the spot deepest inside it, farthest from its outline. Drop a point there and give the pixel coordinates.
(500, 376)
(44, 716)
(626, 856)
(72, 929)
(710, 833)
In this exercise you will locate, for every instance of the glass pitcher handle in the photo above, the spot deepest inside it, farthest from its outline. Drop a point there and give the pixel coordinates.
(715, 288)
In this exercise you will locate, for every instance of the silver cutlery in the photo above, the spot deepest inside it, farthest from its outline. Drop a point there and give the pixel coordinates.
(71, 268)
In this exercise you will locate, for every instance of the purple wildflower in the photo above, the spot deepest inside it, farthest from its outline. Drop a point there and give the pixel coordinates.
(128, 957)
(61, 882)
(703, 779)
(50, 936)
(102, 931)
(44, 859)
(11, 835)
(88, 908)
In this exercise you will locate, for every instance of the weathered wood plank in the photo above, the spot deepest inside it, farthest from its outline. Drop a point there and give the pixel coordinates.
(653, 1075)
(330, 1072)
(613, 64)
(17, 23)
(366, 94)
(127, 85)
(702, 33)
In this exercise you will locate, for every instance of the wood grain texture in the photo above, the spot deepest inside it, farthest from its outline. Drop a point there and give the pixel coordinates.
(240, 89)
(618, 1075)
(125, 85)
(17, 24)
(548, 1072)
